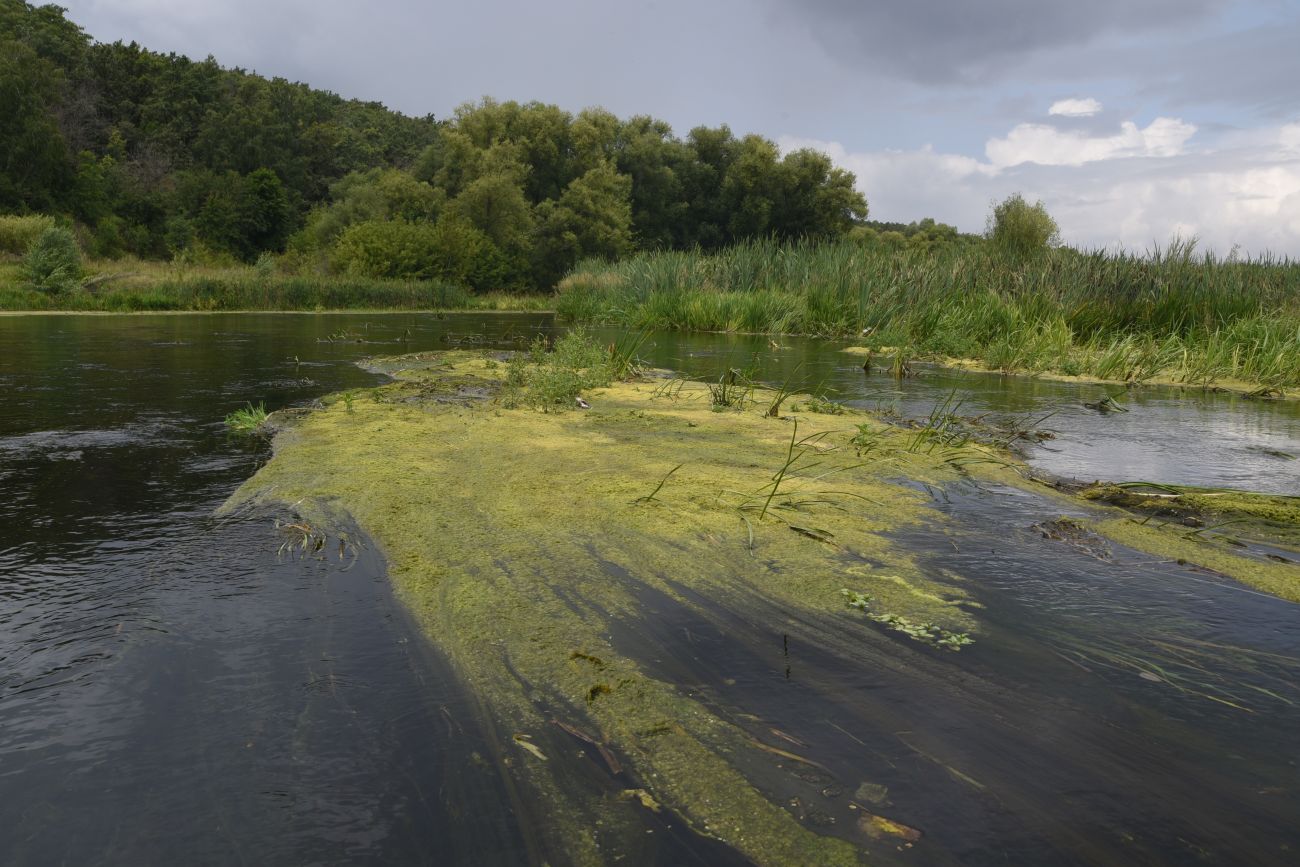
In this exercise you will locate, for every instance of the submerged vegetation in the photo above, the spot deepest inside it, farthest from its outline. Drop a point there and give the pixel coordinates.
(555, 597)
(1171, 315)
(925, 632)
(1224, 513)
(609, 506)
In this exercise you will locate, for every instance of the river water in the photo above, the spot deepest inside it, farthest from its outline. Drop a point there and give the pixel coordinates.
(178, 688)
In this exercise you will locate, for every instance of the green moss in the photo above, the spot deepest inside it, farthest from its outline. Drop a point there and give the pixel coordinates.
(1267, 518)
(521, 539)
(1175, 543)
(1168, 526)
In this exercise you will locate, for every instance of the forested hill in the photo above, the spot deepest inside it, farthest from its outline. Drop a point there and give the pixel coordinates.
(157, 155)
(113, 131)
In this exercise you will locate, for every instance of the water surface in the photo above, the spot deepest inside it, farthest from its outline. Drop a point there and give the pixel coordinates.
(175, 688)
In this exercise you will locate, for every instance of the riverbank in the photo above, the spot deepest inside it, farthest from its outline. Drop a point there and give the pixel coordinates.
(663, 495)
(1170, 315)
(132, 286)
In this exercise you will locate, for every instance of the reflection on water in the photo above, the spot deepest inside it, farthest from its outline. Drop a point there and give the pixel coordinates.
(173, 690)
(1178, 437)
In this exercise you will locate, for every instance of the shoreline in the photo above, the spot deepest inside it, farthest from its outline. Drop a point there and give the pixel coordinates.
(330, 311)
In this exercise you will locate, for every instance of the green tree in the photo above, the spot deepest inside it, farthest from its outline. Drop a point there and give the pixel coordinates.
(375, 194)
(388, 248)
(712, 151)
(752, 189)
(592, 218)
(263, 213)
(450, 250)
(53, 263)
(1021, 229)
(35, 171)
(495, 205)
(650, 156)
(817, 200)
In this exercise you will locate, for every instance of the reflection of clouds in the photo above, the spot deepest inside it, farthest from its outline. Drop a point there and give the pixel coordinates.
(1168, 436)
(1211, 442)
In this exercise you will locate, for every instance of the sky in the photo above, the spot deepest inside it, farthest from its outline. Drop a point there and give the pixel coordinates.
(1133, 121)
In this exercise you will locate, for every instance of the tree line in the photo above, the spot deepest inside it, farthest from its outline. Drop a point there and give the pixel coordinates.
(157, 156)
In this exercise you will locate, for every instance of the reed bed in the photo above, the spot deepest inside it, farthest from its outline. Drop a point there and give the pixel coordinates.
(1170, 314)
(149, 286)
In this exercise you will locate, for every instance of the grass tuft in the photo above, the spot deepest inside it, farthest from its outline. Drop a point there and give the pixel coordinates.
(248, 420)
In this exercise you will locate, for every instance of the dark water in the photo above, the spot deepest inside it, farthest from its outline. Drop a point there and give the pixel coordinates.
(174, 689)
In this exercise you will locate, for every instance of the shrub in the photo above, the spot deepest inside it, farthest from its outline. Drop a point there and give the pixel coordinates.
(550, 381)
(388, 248)
(449, 250)
(1020, 229)
(53, 262)
(17, 234)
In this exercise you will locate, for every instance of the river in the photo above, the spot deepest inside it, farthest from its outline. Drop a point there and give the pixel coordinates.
(178, 688)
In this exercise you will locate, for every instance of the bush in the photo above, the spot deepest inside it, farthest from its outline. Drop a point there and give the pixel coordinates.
(53, 262)
(388, 249)
(550, 381)
(449, 250)
(1021, 229)
(17, 234)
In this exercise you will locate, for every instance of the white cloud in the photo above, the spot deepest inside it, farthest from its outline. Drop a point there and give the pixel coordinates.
(1244, 190)
(1075, 107)
(1049, 146)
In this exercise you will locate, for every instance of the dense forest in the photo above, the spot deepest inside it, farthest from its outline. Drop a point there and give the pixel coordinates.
(159, 156)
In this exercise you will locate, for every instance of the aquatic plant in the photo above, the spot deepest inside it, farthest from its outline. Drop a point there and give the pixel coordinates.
(783, 392)
(550, 378)
(820, 404)
(924, 631)
(732, 390)
(624, 363)
(1131, 318)
(866, 438)
(649, 498)
(530, 583)
(248, 420)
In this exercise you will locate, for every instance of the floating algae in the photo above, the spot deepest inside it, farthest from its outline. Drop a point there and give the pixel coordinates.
(522, 539)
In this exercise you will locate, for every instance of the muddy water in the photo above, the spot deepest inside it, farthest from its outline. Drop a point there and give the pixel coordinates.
(175, 688)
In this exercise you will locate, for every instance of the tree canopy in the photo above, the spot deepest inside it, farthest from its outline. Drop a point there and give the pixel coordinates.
(157, 155)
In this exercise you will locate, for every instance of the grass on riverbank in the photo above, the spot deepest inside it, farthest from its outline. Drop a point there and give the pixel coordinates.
(136, 286)
(1120, 317)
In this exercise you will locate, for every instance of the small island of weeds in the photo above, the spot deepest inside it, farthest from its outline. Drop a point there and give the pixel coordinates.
(546, 547)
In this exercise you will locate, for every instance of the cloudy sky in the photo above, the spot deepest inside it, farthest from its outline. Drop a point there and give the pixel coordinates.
(1132, 120)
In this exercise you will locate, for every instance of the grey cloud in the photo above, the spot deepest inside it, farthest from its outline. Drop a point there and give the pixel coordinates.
(945, 41)
(1257, 68)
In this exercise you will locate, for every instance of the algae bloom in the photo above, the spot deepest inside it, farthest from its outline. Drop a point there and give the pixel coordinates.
(562, 560)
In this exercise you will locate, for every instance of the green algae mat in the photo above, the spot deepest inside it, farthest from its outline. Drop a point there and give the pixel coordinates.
(543, 546)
